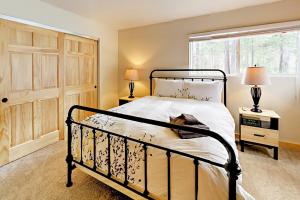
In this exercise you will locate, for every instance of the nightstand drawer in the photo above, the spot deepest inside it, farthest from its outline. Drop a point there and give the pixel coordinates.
(259, 135)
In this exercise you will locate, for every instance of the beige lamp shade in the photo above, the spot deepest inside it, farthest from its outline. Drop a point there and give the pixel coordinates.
(131, 74)
(256, 76)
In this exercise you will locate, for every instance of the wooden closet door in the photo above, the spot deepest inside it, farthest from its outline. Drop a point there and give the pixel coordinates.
(80, 74)
(31, 89)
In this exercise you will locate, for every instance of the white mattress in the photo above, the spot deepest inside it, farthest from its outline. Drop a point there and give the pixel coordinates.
(213, 181)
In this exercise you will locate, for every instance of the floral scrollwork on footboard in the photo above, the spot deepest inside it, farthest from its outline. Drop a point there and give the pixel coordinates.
(135, 151)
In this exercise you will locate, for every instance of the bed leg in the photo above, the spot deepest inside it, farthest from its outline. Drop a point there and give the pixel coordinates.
(233, 173)
(275, 153)
(70, 167)
(69, 158)
(242, 145)
(232, 187)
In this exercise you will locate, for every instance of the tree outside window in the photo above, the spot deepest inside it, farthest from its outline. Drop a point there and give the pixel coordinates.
(278, 52)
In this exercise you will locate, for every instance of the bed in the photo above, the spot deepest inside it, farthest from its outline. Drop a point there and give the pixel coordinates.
(138, 154)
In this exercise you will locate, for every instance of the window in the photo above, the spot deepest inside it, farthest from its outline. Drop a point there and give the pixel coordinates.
(279, 52)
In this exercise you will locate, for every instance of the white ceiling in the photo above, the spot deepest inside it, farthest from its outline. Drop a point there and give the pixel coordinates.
(123, 14)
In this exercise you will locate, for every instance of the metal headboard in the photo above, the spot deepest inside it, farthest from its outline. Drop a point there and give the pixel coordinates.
(221, 77)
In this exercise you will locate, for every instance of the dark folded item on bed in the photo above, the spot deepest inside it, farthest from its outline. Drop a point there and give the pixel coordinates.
(187, 120)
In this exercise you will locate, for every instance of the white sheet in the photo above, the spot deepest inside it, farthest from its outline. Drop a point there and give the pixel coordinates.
(213, 181)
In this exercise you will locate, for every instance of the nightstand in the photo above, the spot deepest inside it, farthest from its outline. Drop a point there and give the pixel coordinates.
(259, 129)
(123, 100)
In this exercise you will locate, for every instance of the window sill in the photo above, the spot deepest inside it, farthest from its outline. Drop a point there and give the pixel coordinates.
(270, 75)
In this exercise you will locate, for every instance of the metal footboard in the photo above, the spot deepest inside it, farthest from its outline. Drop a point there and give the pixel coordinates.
(230, 166)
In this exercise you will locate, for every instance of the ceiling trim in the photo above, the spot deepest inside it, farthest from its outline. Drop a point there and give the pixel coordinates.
(31, 23)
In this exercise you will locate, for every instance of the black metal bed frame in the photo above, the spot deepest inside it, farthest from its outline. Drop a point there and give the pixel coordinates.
(222, 78)
(230, 166)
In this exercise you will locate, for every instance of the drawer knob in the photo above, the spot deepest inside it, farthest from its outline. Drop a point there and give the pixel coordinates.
(258, 135)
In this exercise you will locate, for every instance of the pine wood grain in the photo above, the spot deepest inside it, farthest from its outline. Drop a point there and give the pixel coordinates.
(4, 108)
(80, 74)
(42, 73)
(31, 86)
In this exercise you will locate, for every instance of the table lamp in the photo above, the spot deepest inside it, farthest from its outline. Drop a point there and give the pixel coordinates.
(256, 76)
(131, 75)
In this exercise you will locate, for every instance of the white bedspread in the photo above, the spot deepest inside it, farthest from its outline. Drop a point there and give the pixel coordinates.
(213, 181)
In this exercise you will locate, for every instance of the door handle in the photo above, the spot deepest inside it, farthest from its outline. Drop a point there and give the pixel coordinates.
(4, 100)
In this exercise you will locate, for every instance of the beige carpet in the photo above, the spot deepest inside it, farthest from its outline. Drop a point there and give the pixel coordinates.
(42, 175)
(266, 178)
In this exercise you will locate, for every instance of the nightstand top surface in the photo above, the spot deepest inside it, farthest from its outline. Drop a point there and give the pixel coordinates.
(264, 113)
(126, 98)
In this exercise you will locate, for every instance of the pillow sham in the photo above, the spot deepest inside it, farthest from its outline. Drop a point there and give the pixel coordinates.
(203, 91)
(168, 88)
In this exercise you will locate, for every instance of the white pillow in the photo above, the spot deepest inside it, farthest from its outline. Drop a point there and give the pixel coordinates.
(168, 88)
(203, 91)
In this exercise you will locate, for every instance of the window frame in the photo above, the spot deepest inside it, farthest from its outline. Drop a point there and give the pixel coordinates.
(245, 31)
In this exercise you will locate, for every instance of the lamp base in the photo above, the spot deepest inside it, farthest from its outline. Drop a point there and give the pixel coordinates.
(131, 88)
(257, 110)
(256, 94)
(131, 96)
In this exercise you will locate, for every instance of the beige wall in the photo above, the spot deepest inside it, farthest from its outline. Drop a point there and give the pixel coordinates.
(43, 13)
(165, 45)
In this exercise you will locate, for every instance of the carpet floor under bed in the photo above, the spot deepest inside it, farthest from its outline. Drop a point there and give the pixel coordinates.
(42, 175)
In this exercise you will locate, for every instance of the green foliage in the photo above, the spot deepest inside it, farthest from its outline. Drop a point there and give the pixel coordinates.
(278, 52)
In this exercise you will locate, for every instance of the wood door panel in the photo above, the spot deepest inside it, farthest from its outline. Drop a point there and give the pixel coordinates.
(48, 93)
(32, 58)
(86, 48)
(80, 74)
(71, 100)
(42, 73)
(88, 99)
(21, 71)
(46, 71)
(21, 34)
(45, 40)
(72, 46)
(86, 66)
(5, 76)
(30, 96)
(21, 123)
(20, 37)
(49, 71)
(4, 135)
(71, 71)
(49, 115)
